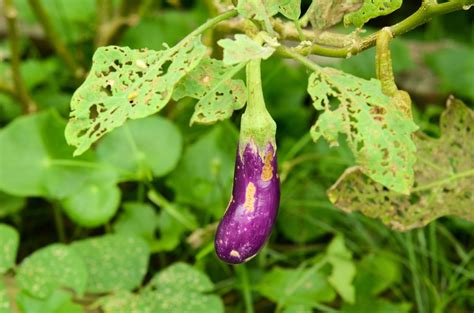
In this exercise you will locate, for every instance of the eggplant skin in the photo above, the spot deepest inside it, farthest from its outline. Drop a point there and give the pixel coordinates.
(253, 208)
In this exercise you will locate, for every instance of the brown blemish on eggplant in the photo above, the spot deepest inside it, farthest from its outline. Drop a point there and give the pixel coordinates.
(267, 170)
(249, 204)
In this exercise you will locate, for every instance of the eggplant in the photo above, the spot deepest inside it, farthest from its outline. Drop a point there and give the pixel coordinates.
(252, 210)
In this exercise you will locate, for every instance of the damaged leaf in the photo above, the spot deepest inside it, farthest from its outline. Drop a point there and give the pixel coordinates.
(444, 176)
(377, 131)
(371, 9)
(219, 95)
(243, 49)
(126, 84)
(324, 14)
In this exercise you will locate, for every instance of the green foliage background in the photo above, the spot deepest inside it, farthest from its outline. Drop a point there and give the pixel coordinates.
(128, 226)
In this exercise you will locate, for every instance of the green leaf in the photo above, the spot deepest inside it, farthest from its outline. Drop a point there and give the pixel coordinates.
(180, 289)
(376, 273)
(243, 49)
(291, 9)
(296, 287)
(10, 240)
(127, 84)
(377, 131)
(371, 9)
(114, 262)
(343, 269)
(4, 301)
(177, 289)
(326, 13)
(376, 306)
(58, 302)
(137, 219)
(36, 160)
(207, 163)
(181, 276)
(143, 147)
(52, 267)
(219, 95)
(173, 221)
(455, 68)
(444, 176)
(93, 205)
(298, 309)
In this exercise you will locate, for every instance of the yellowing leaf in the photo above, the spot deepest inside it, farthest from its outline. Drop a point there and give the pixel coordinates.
(127, 84)
(378, 132)
(444, 177)
(243, 49)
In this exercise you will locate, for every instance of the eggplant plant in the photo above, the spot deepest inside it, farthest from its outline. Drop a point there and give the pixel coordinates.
(127, 125)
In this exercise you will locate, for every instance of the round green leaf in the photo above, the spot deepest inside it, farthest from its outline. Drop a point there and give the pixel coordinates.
(54, 266)
(36, 161)
(10, 204)
(114, 262)
(9, 240)
(93, 205)
(142, 146)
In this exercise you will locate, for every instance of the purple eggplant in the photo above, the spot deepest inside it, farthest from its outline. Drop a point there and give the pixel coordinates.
(253, 207)
(251, 213)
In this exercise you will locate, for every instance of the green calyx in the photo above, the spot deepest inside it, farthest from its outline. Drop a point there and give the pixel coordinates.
(257, 125)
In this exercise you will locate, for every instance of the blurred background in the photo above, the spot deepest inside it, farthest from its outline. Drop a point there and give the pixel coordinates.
(191, 168)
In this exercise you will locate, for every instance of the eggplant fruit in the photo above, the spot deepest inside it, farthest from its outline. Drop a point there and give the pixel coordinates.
(253, 207)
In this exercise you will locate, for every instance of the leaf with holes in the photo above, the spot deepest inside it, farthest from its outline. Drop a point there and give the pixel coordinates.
(243, 49)
(127, 84)
(444, 176)
(219, 95)
(371, 9)
(10, 239)
(378, 132)
(114, 262)
(52, 267)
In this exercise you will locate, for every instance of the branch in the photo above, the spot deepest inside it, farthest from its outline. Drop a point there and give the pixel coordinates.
(20, 91)
(55, 39)
(426, 12)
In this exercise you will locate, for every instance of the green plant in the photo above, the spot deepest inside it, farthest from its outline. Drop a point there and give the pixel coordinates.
(133, 194)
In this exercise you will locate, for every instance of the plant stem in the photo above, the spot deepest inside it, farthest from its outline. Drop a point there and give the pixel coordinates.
(20, 91)
(285, 51)
(246, 289)
(58, 221)
(211, 23)
(55, 39)
(426, 12)
(383, 61)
